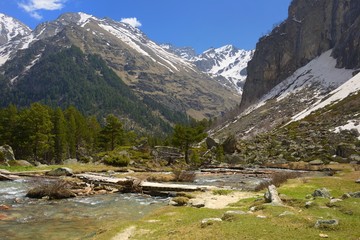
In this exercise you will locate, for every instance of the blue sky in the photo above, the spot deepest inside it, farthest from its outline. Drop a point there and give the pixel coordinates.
(200, 24)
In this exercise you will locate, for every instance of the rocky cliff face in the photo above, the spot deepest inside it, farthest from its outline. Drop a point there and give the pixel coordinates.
(311, 28)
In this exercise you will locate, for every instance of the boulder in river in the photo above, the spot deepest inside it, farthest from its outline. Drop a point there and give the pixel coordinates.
(52, 190)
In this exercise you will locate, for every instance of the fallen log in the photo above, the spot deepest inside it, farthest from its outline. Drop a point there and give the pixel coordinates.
(8, 177)
(131, 184)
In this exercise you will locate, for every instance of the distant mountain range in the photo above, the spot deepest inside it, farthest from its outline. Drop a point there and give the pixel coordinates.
(227, 64)
(170, 84)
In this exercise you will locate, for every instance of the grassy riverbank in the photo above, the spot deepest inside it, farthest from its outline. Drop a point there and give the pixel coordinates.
(292, 221)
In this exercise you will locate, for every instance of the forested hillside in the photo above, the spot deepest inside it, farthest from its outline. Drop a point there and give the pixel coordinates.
(69, 77)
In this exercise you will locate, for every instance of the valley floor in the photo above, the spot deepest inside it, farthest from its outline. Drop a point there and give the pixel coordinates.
(255, 219)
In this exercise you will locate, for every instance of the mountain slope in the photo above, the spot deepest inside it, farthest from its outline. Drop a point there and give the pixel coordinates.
(65, 77)
(151, 72)
(312, 27)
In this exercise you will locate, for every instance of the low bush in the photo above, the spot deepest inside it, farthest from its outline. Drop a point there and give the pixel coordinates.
(117, 160)
(222, 192)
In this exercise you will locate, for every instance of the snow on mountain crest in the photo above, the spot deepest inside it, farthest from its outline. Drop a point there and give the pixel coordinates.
(10, 28)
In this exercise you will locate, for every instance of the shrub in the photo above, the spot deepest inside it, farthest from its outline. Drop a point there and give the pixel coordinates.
(117, 160)
(180, 201)
(280, 177)
(222, 192)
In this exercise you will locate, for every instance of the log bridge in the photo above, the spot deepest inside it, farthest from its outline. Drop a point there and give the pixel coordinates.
(133, 184)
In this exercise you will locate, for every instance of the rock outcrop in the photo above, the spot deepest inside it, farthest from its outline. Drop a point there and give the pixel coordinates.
(6, 155)
(312, 27)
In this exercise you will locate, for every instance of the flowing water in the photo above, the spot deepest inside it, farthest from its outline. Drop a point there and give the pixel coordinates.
(76, 218)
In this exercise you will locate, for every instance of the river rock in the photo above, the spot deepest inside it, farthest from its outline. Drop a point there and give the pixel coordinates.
(209, 221)
(326, 223)
(6, 155)
(323, 192)
(51, 193)
(357, 181)
(63, 171)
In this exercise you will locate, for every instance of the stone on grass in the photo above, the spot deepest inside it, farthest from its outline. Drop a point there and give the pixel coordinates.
(322, 235)
(345, 196)
(355, 194)
(63, 171)
(357, 181)
(21, 163)
(286, 213)
(323, 192)
(232, 215)
(272, 196)
(335, 200)
(308, 204)
(326, 223)
(209, 221)
(197, 203)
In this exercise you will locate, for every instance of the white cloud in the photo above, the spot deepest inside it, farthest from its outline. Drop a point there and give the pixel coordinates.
(131, 21)
(32, 6)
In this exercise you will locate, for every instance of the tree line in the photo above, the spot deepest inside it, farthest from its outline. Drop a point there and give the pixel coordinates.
(48, 135)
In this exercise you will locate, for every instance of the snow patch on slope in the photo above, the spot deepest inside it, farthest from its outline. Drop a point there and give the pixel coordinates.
(350, 87)
(320, 74)
(350, 125)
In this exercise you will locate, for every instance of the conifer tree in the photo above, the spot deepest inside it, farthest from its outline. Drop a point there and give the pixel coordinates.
(112, 133)
(59, 133)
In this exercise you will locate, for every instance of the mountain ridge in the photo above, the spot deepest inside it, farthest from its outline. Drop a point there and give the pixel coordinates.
(150, 71)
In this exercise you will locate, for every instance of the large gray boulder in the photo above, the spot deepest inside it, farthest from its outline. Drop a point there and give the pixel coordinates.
(212, 142)
(272, 196)
(63, 171)
(323, 192)
(326, 223)
(6, 155)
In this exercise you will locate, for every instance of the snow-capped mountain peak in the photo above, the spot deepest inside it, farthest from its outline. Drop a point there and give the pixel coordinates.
(228, 62)
(11, 28)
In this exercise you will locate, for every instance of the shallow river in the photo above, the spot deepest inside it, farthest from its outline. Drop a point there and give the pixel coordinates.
(76, 218)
